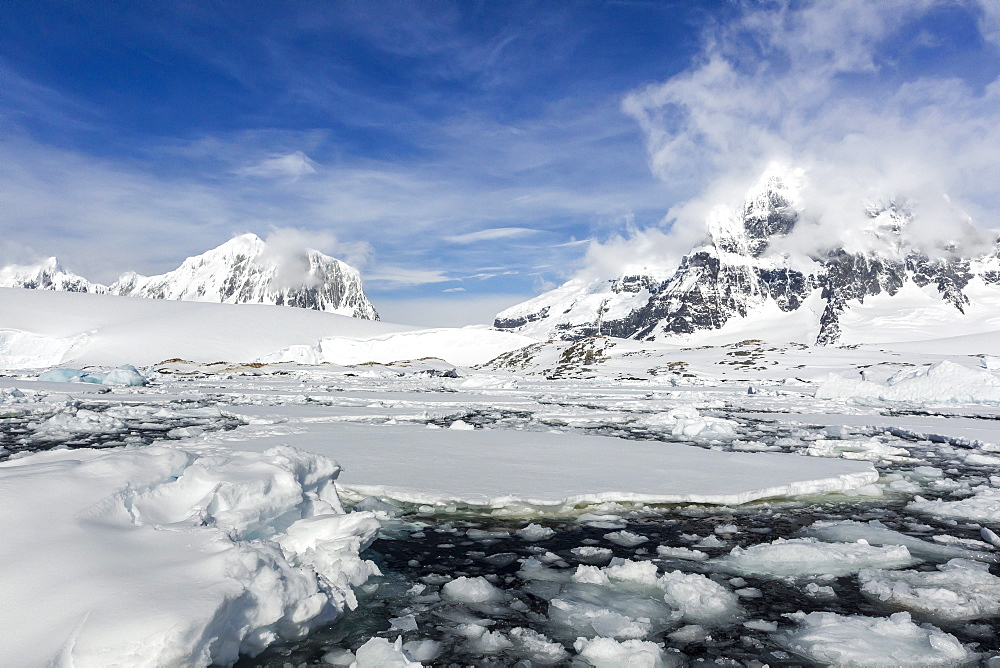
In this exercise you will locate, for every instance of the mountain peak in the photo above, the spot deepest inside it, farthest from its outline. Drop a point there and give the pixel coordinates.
(243, 270)
(732, 280)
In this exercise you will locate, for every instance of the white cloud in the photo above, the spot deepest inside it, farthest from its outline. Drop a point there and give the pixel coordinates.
(291, 166)
(491, 234)
(453, 310)
(813, 85)
(288, 246)
(391, 277)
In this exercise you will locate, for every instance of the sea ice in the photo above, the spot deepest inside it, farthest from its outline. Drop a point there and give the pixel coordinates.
(960, 590)
(471, 590)
(625, 538)
(535, 532)
(629, 600)
(807, 556)
(984, 506)
(876, 533)
(380, 653)
(610, 653)
(872, 450)
(854, 640)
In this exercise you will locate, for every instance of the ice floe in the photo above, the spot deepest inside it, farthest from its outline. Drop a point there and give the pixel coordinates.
(960, 590)
(610, 653)
(809, 557)
(496, 468)
(983, 506)
(855, 640)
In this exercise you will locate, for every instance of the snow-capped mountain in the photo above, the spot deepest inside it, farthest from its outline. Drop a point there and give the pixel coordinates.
(244, 270)
(46, 275)
(736, 277)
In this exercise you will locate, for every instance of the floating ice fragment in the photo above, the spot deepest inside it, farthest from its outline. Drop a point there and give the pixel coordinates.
(960, 590)
(589, 554)
(405, 623)
(668, 552)
(194, 555)
(854, 640)
(808, 556)
(876, 533)
(339, 657)
(761, 625)
(871, 450)
(984, 506)
(625, 538)
(535, 532)
(380, 653)
(422, 650)
(609, 653)
(602, 521)
(471, 590)
(536, 648)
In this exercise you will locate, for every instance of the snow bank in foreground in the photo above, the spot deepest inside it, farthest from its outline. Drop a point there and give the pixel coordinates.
(464, 346)
(853, 640)
(123, 375)
(960, 590)
(167, 556)
(941, 382)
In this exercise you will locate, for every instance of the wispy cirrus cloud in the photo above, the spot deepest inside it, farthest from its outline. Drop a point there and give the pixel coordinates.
(491, 234)
(291, 166)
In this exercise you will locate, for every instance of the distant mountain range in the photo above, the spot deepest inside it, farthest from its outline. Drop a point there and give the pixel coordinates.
(735, 280)
(244, 270)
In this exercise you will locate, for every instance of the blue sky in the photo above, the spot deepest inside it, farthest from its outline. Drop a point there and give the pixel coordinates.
(465, 155)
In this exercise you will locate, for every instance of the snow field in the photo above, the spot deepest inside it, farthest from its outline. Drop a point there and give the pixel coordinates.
(944, 382)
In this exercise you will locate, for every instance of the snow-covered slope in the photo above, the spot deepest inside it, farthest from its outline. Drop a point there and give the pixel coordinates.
(48, 328)
(244, 270)
(45, 328)
(738, 282)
